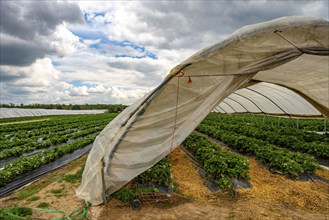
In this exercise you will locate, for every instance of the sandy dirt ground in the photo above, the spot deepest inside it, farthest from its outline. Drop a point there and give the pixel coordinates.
(272, 197)
(22, 122)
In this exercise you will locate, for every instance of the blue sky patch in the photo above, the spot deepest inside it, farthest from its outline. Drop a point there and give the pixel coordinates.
(89, 18)
(55, 63)
(94, 35)
(79, 83)
(76, 83)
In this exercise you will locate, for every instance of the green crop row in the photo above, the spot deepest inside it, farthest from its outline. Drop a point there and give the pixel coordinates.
(26, 164)
(62, 129)
(20, 150)
(318, 148)
(159, 174)
(55, 139)
(276, 158)
(18, 137)
(274, 121)
(220, 165)
(305, 135)
(53, 122)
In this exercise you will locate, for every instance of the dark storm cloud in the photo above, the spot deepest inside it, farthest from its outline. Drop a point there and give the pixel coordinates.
(17, 90)
(20, 54)
(25, 22)
(28, 19)
(8, 77)
(215, 18)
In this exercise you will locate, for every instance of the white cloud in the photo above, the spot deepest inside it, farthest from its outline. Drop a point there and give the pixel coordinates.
(40, 74)
(79, 91)
(62, 41)
(64, 86)
(128, 96)
(89, 42)
(81, 66)
(98, 89)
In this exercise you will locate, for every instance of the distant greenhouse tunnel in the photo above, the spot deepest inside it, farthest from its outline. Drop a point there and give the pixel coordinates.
(268, 99)
(288, 56)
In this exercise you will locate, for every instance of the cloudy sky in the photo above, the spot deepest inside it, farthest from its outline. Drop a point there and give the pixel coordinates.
(115, 51)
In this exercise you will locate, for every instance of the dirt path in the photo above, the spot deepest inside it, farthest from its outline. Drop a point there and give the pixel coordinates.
(272, 197)
(52, 191)
(21, 122)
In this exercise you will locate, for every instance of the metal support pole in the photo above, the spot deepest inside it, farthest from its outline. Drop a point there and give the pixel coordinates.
(264, 119)
(278, 121)
(325, 125)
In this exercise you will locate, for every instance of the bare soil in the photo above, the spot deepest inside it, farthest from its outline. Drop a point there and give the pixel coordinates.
(21, 122)
(272, 197)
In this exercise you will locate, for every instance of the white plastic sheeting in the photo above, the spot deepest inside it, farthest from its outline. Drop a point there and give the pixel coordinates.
(292, 52)
(23, 112)
(267, 98)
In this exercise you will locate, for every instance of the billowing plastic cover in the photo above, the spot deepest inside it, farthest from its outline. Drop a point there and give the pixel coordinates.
(291, 52)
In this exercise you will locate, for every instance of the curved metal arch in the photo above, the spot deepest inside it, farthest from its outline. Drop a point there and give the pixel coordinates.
(216, 110)
(229, 105)
(270, 101)
(238, 103)
(250, 101)
(222, 109)
(277, 91)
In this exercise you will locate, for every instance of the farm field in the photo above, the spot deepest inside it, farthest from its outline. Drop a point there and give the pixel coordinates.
(283, 149)
(27, 146)
(277, 157)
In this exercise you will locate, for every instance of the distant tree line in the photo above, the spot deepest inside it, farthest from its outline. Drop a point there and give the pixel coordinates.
(112, 108)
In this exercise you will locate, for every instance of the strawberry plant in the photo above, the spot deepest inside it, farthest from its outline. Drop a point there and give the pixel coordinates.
(290, 138)
(219, 164)
(159, 174)
(276, 158)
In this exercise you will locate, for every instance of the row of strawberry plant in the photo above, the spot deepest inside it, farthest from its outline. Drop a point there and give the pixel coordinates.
(220, 165)
(91, 124)
(55, 140)
(315, 148)
(159, 174)
(276, 158)
(281, 130)
(35, 124)
(53, 122)
(26, 164)
(274, 121)
(20, 142)
(57, 125)
(52, 132)
(36, 133)
(52, 139)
